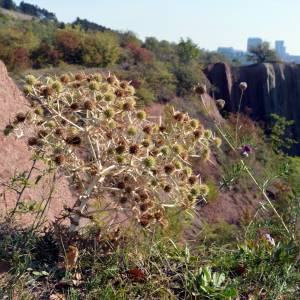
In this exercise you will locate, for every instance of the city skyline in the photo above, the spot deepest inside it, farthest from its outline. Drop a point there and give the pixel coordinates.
(253, 42)
(209, 24)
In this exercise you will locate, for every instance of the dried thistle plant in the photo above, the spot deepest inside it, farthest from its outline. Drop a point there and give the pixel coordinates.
(88, 127)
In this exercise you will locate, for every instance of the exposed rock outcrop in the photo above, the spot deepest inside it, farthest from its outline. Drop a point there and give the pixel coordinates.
(272, 88)
(15, 157)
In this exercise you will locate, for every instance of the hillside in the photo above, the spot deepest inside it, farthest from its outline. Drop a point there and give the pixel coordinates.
(15, 14)
(142, 169)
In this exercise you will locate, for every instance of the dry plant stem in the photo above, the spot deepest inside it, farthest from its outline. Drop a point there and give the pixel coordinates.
(238, 119)
(39, 216)
(83, 199)
(256, 183)
(23, 188)
(251, 175)
(267, 198)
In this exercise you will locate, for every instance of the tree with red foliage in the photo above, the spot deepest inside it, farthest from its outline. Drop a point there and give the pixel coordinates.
(68, 43)
(139, 54)
(20, 59)
(46, 55)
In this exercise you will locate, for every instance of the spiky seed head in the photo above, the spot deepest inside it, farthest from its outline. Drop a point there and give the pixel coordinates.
(178, 165)
(94, 86)
(32, 141)
(65, 78)
(120, 159)
(243, 86)
(162, 128)
(128, 189)
(200, 89)
(178, 116)
(109, 113)
(207, 133)
(57, 86)
(144, 206)
(169, 169)
(130, 90)
(59, 159)
(167, 188)
(79, 76)
(74, 106)
(192, 180)
(220, 103)
(59, 131)
(51, 124)
(39, 111)
(121, 185)
(98, 77)
(124, 84)
(149, 162)
(148, 129)
(88, 105)
(20, 117)
(123, 200)
(8, 129)
(74, 140)
(131, 131)
(177, 148)
(47, 91)
(128, 105)
(141, 115)
(217, 142)
(146, 143)
(30, 79)
(158, 215)
(203, 189)
(120, 149)
(42, 133)
(27, 89)
(109, 97)
(143, 195)
(164, 150)
(134, 149)
(194, 123)
(205, 154)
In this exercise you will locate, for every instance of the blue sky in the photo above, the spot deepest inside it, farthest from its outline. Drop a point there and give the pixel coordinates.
(210, 23)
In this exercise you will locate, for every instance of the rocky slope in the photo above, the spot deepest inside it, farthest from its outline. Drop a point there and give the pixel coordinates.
(272, 88)
(15, 156)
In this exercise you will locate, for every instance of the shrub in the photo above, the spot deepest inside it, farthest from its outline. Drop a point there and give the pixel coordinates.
(89, 129)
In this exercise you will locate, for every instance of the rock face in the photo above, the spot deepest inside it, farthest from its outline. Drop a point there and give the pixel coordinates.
(15, 157)
(272, 88)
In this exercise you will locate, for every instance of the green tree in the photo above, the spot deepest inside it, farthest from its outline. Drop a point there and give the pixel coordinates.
(262, 53)
(7, 4)
(100, 49)
(279, 136)
(187, 50)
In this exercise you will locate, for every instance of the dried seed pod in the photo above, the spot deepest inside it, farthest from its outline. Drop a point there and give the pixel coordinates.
(60, 159)
(20, 117)
(243, 86)
(73, 140)
(134, 149)
(32, 141)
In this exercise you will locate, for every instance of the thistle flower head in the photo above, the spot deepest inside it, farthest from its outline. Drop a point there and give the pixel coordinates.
(30, 80)
(141, 115)
(57, 86)
(149, 162)
(243, 86)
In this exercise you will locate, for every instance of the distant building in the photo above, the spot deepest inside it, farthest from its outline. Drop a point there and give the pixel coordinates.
(253, 43)
(242, 56)
(233, 54)
(280, 49)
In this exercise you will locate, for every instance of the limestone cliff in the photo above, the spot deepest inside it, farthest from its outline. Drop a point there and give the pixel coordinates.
(15, 157)
(272, 88)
